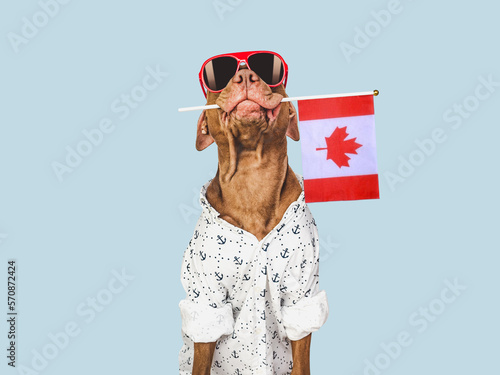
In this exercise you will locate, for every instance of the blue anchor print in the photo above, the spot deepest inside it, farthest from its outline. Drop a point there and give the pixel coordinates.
(217, 346)
(191, 252)
(263, 338)
(263, 315)
(221, 240)
(314, 222)
(280, 228)
(188, 267)
(233, 336)
(291, 365)
(264, 248)
(264, 362)
(263, 293)
(246, 277)
(296, 229)
(234, 354)
(238, 260)
(307, 293)
(196, 234)
(274, 354)
(239, 231)
(268, 303)
(276, 278)
(189, 361)
(313, 242)
(264, 270)
(238, 372)
(284, 253)
(203, 255)
(296, 208)
(196, 293)
(213, 304)
(283, 289)
(207, 221)
(275, 334)
(303, 264)
(219, 276)
(217, 364)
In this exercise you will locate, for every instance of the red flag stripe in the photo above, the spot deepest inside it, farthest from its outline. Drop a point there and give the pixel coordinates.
(341, 188)
(348, 106)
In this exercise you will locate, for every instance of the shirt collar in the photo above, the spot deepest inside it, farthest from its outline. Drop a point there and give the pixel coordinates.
(294, 206)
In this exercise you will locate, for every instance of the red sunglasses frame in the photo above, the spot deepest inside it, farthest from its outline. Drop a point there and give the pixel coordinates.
(242, 57)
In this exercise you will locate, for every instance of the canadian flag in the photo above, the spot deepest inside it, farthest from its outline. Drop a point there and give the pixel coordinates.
(339, 159)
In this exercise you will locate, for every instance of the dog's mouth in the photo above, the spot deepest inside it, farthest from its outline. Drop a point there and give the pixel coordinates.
(249, 112)
(249, 107)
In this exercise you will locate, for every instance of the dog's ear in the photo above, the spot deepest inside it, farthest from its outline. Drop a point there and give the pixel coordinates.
(293, 129)
(203, 138)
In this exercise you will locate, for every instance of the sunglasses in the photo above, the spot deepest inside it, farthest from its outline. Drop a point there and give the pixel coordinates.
(217, 71)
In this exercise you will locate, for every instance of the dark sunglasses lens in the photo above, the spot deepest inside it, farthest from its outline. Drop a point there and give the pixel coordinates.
(268, 67)
(219, 71)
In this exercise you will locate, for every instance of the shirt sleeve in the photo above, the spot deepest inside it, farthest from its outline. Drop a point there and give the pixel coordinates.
(206, 315)
(304, 308)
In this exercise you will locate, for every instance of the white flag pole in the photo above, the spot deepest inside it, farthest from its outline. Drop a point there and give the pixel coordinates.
(213, 106)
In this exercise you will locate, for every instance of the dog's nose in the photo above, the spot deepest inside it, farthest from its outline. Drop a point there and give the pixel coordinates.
(245, 78)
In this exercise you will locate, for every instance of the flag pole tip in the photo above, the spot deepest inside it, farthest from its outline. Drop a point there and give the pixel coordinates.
(375, 92)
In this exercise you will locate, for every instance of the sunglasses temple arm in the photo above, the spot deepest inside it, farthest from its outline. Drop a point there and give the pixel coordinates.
(202, 88)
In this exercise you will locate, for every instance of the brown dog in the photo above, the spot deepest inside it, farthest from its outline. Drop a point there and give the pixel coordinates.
(254, 177)
(252, 190)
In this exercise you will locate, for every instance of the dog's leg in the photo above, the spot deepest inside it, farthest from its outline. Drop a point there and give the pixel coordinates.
(300, 356)
(203, 355)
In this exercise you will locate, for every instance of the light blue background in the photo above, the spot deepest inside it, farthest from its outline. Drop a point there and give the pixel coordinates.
(121, 207)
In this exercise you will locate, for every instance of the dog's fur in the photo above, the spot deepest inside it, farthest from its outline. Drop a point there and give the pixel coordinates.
(254, 184)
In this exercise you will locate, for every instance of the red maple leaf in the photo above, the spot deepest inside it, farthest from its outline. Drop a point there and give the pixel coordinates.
(338, 147)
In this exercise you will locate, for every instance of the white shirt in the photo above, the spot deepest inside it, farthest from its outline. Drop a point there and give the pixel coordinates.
(251, 296)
